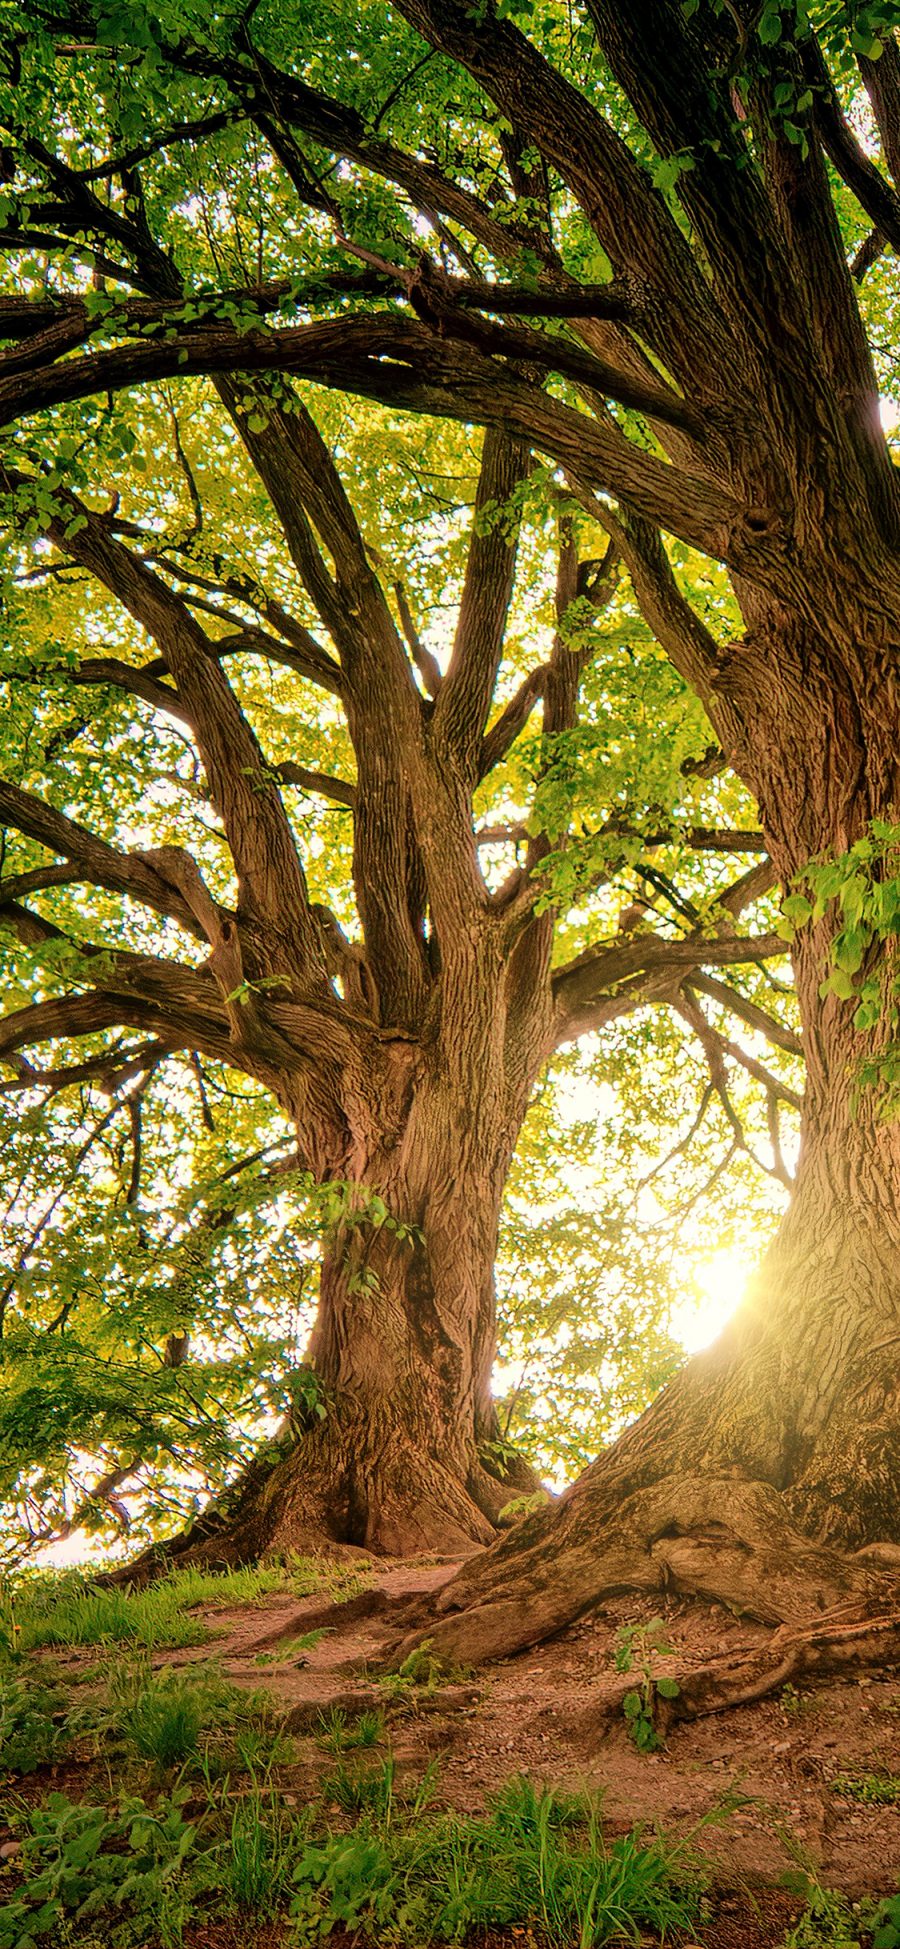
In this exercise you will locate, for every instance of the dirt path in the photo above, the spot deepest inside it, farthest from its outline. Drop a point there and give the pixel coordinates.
(556, 1713)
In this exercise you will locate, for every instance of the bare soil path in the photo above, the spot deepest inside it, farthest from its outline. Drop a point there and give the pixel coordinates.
(556, 1714)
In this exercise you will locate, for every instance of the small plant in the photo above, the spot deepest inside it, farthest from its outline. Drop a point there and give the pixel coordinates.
(291, 1651)
(31, 1732)
(83, 1615)
(525, 1505)
(171, 1717)
(420, 1675)
(884, 1922)
(338, 1735)
(166, 1722)
(637, 1645)
(873, 1789)
(258, 1852)
(792, 1702)
(355, 1791)
(827, 1922)
(10, 1628)
(80, 1863)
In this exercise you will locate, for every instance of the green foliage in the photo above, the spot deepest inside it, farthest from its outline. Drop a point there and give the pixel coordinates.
(420, 1675)
(636, 1650)
(86, 1865)
(140, 1870)
(339, 1734)
(87, 1616)
(885, 1923)
(32, 1728)
(530, 1862)
(827, 1922)
(67, 1609)
(871, 1789)
(259, 1851)
(857, 896)
(166, 1721)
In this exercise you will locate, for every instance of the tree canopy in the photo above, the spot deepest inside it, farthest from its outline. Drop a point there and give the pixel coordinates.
(562, 702)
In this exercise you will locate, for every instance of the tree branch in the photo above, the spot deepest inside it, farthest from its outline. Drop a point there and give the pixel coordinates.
(750, 1012)
(596, 977)
(468, 687)
(98, 863)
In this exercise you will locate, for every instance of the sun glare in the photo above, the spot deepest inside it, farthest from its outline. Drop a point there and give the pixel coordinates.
(718, 1288)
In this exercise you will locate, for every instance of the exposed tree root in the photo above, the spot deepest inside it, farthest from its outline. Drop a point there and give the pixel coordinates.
(721, 1540)
(832, 1647)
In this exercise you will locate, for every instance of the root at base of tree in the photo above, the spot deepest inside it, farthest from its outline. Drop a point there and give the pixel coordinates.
(721, 1540)
(832, 1648)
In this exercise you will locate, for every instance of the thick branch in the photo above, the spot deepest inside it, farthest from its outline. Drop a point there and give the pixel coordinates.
(319, 782)
(512, 719)
(877, 197)
(596, 976)
(468, 687)
(399, 361)
(271, 880)
(750, 1012)
(100, 864)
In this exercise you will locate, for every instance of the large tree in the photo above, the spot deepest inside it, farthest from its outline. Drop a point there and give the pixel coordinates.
(404, 1046)
(634, 242)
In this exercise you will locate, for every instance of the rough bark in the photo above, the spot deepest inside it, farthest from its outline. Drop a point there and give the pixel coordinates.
(403, 1348)
(731, 330)
(773, 1459)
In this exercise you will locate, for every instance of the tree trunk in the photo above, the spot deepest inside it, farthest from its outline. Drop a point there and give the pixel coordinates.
(773, 1458)
(402, 1459)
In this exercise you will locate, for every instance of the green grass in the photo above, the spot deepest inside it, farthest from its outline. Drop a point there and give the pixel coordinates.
(404, 1872)
(339, 1734)
(189, 1718)
(873, 1789)
(531, 1862)
(69, 1610)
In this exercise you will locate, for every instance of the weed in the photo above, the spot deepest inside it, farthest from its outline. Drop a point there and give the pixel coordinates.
(66, 1609)
(291, 1651)
(259, 1851)
(79, 1863)
(420, 1675)
(337, 1735)
(827, 1922)
(884, 1922)
(368, 1731)
(636, 1647)
(528, 1863)
(792, 1702)
(873, 1789)
(166, 1722)
(31, 1729)
(170, 1717)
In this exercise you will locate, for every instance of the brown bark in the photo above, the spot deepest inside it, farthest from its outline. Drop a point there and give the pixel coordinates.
(733, 329)
(774, 1457)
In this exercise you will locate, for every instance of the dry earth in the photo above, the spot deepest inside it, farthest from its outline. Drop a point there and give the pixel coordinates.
(555, 1713)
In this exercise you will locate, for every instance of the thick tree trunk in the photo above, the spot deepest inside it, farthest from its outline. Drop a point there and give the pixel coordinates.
(401, 1460)
(766, 1466)
(773, 1458)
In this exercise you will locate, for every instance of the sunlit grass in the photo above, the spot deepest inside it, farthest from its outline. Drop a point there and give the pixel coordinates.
(66, 1608)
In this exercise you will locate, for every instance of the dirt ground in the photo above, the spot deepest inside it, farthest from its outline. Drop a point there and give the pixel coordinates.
(772, 1770)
